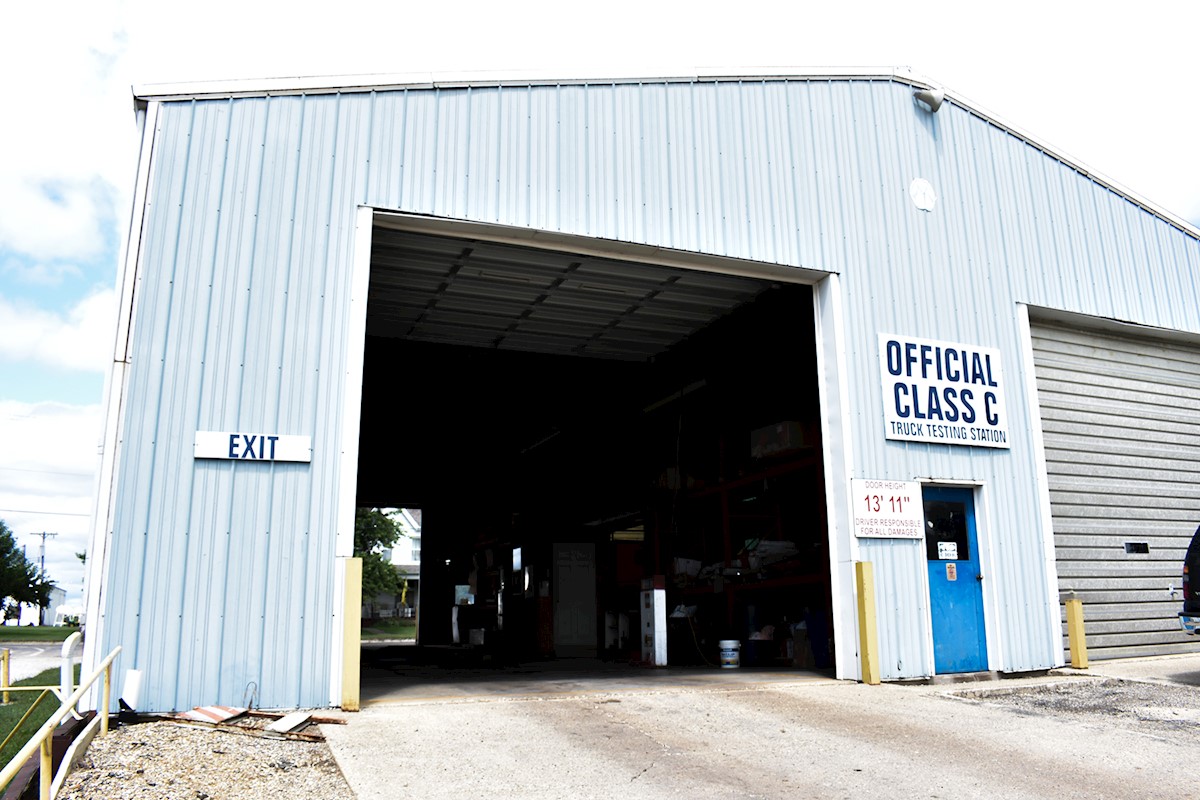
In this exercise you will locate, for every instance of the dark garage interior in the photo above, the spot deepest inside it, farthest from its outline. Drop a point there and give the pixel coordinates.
(577, 429)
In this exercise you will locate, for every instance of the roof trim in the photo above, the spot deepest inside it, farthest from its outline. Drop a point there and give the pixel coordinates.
(270, 87)
(265, 87)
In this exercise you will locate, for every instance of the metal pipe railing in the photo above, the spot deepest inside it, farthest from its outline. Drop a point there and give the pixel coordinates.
(43, 738)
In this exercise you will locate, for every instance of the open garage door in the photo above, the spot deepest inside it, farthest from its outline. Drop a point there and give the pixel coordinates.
(654, 422)
(1121, 420)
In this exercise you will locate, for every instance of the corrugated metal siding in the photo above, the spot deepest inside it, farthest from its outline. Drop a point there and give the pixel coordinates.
(240, 327)
(248, 240)
(1121, 417)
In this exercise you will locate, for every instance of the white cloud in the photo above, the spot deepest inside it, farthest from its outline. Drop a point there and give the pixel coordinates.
(80, 338)
(61, 218)
(52, 273)
(47, 481)
(69, 142)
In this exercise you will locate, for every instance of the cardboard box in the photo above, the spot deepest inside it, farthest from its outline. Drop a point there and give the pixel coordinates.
(802, 655)
(782, 437)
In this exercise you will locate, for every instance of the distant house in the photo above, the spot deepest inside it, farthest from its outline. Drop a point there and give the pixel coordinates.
(31, 614)
(405, 556)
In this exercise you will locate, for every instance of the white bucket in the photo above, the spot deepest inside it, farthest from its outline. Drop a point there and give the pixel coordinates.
(730, 649)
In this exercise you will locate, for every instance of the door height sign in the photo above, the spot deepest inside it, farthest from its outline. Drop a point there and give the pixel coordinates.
(245, 446)
(887, 509)
(942, 392)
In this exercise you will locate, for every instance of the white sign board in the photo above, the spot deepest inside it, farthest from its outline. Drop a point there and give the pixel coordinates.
(244, 446)
(942, 392)
(887, 509)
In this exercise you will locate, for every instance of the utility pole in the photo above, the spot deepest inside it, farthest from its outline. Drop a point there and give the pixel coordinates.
(44, 536)
(42, 573)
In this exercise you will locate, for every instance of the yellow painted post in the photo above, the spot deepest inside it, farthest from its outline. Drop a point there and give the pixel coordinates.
(4, 657)
(352, 635)
(868, 633)
(107, 700)
(1075, 633)
(46, 771)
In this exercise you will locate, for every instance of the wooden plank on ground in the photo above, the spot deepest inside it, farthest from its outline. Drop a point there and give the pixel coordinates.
(290, 722)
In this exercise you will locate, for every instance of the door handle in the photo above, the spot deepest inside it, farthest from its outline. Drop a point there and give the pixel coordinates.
(979, 576)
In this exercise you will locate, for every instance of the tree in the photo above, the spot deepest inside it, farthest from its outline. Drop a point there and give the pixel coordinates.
(20, 579)
(374, 532)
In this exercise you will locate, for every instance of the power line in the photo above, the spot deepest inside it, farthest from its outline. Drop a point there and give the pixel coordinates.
(47, 513)
(46, 471)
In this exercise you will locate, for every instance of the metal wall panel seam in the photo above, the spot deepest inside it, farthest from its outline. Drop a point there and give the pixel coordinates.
(324, 207)
(350, 340)
(352, 383)
(837, 461)
(136, 656)
(107, 489)
(401, 194)
(225, 474)
(275, 320)
(775, 191)
(186, 664)
(640, 163)
(791, 149)
(286, 324)
(994, 616)
(279, 178)
(165, 524)
(747, 148)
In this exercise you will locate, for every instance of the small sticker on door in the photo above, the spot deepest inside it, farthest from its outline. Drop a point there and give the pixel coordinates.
(952, 572)
(948, 551)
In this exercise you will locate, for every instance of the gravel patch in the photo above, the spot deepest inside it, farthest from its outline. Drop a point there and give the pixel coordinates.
(1167, 711)
(167, 760)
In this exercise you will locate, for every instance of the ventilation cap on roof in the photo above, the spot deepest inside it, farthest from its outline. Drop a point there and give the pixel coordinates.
(930, 99)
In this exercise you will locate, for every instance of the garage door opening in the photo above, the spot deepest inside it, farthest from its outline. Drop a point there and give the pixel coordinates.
(574, 427)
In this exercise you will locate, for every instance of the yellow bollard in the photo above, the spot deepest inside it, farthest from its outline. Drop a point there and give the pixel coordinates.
(107, 700)
(4, 657)
(352, 635)
(1075, 633)
(868, 633)
(46, 770)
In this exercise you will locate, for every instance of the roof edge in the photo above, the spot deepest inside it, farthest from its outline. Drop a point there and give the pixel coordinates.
(268, 87)
(261, 87)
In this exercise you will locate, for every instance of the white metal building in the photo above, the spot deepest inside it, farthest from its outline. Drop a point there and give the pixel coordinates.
(739, 332)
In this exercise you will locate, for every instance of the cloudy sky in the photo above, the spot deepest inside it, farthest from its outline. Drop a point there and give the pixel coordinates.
(1113, 87)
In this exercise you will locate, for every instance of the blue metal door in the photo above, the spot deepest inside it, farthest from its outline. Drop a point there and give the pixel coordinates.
(955, 583)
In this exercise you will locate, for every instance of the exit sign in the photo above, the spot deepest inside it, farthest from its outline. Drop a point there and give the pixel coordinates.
(252, 446)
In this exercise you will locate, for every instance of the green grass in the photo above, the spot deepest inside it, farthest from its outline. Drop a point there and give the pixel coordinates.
(19, 702)
(390, 629)
(34, 633)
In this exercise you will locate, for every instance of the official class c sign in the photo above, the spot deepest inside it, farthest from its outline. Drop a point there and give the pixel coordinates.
(942, 392)
(243, 446)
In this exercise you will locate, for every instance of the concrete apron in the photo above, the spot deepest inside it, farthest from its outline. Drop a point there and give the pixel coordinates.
(593, 730)
(418, 683)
